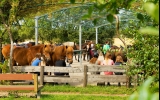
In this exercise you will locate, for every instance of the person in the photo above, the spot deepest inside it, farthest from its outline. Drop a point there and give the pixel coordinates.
(94, 59)
(91, 49)
(108, 61)
(119, 61)
(60, 63)
(36, 61)
(106, 47)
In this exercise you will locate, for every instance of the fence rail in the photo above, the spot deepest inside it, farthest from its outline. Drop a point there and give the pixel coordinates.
(80, 75)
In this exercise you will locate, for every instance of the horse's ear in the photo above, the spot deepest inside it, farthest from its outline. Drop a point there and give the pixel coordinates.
(66, 47)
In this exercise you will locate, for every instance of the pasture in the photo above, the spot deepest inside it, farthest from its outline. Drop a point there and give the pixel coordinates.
(67, 92)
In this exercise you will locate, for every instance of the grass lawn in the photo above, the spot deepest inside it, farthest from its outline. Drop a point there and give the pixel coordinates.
(66, 92)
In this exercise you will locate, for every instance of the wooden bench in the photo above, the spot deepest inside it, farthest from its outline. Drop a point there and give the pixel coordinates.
(21, 77)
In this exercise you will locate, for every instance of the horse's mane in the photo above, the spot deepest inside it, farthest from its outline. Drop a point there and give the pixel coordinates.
(93, 60)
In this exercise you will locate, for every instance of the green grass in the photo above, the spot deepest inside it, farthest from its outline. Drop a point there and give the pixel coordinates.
(89, 89)
(70, 97)
(66, 92)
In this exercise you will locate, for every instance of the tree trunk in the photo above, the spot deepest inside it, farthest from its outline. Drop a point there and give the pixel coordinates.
(117, 30)
(0, 49)
(11, 49)
(8, 27)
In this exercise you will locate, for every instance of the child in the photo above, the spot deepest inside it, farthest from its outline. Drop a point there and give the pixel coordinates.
(119, 61)
(36, 61)
(108, 61)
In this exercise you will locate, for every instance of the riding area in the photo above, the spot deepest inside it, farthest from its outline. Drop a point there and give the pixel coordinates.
(79, 49)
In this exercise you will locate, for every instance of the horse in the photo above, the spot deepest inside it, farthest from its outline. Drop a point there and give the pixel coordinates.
(85, 52)
(6, 49)
(115, 51)
(62, 52)
(24, 56)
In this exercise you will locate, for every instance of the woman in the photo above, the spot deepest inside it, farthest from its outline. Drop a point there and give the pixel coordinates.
(108, 61)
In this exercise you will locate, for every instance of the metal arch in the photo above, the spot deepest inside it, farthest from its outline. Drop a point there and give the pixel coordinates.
(73, 15)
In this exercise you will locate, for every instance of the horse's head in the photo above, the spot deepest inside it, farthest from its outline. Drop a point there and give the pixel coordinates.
(69, 54)
(47, 51)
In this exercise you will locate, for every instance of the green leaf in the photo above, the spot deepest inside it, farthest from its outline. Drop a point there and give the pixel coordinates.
(86, 16)
(95, 21)
(110, 18)
(72, 1)
(144, 93)
(102, 7)
(149, 30)
(155, 96)
(90, 10)
(140, 17)
(134, 96)
(152, 10)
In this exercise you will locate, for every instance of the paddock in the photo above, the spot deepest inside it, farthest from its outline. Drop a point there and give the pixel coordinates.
(79, 75)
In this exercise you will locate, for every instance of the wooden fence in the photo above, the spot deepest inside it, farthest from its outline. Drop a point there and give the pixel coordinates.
(79, 76)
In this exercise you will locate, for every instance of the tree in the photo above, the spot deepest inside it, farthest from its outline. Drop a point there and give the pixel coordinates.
(12, 11)
(145, 34)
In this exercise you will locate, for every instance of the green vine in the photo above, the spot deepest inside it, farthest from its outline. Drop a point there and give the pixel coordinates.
(4, 67)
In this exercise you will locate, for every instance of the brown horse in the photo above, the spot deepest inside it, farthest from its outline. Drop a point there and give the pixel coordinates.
(115, 51)
(6, 51)
(85, 52)
(62, 52)
(24, 56)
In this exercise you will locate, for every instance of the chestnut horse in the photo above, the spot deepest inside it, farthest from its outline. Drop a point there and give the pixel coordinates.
(62, 52)
(6, 49)
(24, 56)
(115, 51)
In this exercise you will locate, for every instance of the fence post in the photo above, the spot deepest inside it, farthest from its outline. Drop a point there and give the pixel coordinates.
(128, 84)
(41, 75)
(85, 76)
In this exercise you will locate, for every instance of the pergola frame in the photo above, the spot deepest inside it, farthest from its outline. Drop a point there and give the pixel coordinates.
(73, 15)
